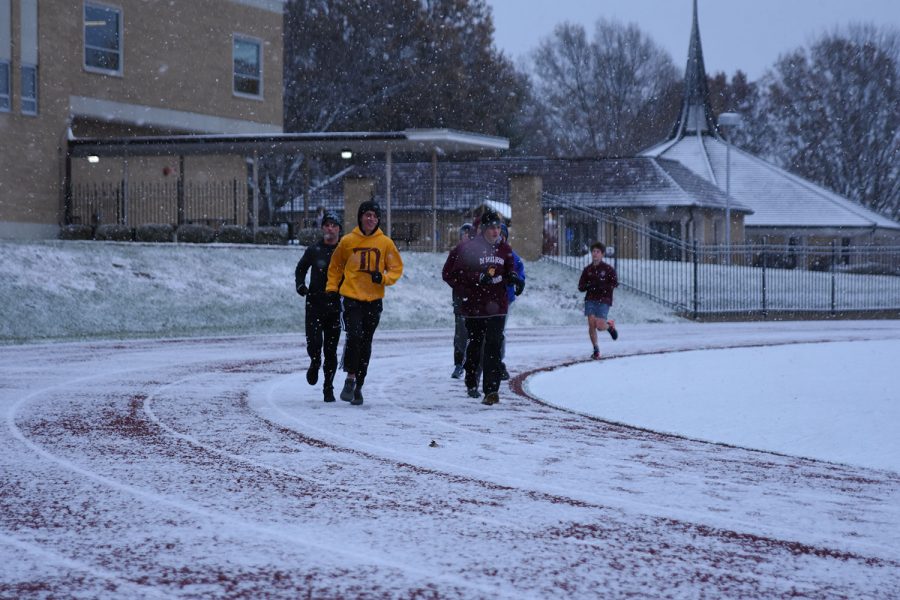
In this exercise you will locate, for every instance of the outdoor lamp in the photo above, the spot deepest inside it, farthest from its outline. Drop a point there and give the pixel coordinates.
(728, 119)
(346, 154)
(93, 159)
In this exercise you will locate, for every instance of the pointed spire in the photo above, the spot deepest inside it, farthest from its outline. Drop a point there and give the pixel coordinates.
(696, 112)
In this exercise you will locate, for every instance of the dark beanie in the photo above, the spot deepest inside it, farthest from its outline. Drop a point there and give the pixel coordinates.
(331, 217)
(365, 207)
(490, 217)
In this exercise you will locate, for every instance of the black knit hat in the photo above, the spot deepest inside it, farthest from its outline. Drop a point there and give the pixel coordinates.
(490, 217)
(331, 217)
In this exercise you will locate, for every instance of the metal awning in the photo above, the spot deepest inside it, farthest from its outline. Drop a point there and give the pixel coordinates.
(440, 141)
(431, 141)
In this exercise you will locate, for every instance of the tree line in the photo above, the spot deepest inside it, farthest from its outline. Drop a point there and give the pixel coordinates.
(829, 112)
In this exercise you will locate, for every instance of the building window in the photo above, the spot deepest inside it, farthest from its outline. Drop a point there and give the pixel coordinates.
(246, 55)
(102, 38)
(29, 90)
(4, 86)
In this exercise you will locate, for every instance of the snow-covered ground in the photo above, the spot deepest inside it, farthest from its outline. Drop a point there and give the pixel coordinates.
(835, 401)
(76, 290)
(207, 467)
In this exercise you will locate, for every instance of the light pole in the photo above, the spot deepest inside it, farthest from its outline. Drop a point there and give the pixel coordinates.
(728, 119)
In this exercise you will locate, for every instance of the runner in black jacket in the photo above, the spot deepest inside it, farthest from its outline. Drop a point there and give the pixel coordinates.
(479, 271)
(323, 312)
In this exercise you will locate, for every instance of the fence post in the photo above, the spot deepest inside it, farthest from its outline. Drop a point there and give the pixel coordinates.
(696, 281)
(615, 224)
(67, 189)
(833, 282)
(234, 199)
(120, 202)
(179, 193)
(764, 261)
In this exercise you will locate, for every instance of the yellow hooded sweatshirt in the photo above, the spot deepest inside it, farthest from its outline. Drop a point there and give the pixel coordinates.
(356, 257)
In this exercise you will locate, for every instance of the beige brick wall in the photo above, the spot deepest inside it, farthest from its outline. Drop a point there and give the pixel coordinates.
(177, 56)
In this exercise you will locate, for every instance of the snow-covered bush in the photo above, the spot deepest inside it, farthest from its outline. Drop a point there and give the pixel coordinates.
(272, 236)
(234, 234)
(195, 234)
(76, 232)
(154, 232)
(113, 233)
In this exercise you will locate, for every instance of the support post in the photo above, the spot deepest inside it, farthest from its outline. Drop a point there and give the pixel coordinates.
(696, 280)
(526, 232)
(356, 191)
(306, 181)
(833, 280)
(179, 191)
(67, 189)
(124, 214)
(387, 194)
(434, 191)
(255, 225)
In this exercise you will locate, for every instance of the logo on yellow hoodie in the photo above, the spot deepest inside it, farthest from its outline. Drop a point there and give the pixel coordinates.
(356, 257)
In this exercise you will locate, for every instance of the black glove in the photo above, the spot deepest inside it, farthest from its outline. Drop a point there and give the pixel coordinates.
(376, 276)
(517, 282)
(487, 275)
(302, 289)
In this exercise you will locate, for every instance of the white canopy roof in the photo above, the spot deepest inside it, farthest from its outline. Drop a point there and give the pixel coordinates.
(778, 198)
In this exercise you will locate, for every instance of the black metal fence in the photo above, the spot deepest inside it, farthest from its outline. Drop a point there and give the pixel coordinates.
(211, 203)
(708, 281)
(425, 214)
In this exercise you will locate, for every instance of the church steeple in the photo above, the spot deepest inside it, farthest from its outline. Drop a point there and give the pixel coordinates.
(696, 113)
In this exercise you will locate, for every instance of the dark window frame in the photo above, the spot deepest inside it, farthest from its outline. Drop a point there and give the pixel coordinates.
(93, 52)
(242, 76)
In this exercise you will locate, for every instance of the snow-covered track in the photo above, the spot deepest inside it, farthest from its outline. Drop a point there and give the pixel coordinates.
(208, 467)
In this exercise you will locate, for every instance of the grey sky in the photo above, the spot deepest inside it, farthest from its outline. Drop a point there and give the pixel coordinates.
(736, 34)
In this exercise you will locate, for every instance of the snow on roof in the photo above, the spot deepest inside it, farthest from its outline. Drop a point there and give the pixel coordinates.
(778, 198)
(603, 183)
(502, 208)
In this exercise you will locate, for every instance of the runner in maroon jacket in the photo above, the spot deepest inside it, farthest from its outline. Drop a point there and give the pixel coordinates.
(597, 281)
(479, 271)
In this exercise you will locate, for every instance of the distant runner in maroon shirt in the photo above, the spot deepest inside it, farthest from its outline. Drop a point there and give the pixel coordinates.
(598, 281)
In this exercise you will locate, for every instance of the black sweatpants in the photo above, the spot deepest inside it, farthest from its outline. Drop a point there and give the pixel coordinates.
(323, 331)
(485, 338)
(460, 339)
(360, 322)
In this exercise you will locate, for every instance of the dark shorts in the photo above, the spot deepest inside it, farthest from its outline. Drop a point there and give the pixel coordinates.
(596, 309)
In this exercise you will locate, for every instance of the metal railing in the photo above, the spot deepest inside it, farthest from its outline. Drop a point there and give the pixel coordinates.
(750, 280)
(176, 203)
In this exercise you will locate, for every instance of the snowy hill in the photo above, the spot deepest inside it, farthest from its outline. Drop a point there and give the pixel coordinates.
(78, 290)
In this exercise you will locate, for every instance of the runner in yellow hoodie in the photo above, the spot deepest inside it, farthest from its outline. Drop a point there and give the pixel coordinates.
(364, 261)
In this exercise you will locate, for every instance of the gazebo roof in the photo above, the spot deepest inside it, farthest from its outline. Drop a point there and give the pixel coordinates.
(778, 199)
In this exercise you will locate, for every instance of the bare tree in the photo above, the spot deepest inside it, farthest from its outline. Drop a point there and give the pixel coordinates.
(832, 114)
(596, 96)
